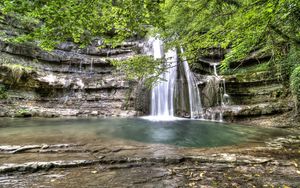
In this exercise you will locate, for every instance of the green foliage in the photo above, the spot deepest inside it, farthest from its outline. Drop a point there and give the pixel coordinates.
(141, 67)
(82, 20)
(289, 62)
(23, 112)
(17, 71)
(252, 69)
(295, 82)
(239, 25)
(3, 94)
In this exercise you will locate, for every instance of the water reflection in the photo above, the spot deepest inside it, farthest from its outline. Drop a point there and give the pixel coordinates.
(161, 134)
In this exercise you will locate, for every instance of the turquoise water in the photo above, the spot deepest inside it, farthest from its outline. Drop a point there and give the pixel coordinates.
(187, 133)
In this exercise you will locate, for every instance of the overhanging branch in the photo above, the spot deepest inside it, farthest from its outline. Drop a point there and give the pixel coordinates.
(285, 36)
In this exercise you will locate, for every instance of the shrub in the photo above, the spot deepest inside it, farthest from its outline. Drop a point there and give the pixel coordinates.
(295, 87)
(3, 94)
(295, 82)
(17, 71)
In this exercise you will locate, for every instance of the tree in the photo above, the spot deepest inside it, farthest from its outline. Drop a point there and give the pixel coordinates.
(241, 26)
(56, 21)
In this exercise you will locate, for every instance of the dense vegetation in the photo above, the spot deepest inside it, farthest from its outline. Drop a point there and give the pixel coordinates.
(242, 27)
(53, 21)
(271, 26)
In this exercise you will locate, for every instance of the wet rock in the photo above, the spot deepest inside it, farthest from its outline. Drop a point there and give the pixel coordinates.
(2, 114)
(12, 149)
(142, 100)
(282, 142)
(67, 46)
(94, 113)
(35, 166)
(45, 146)
(138, 165)
(256, 110)
(24, 148)
(7, 148)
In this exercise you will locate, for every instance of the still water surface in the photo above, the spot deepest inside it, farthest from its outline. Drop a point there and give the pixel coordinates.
(187, 133)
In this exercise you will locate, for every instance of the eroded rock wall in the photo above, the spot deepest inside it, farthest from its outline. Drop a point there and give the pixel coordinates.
(254, 87)
(68, 81)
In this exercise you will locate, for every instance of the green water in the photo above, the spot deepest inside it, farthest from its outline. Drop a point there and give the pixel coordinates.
(188, 133)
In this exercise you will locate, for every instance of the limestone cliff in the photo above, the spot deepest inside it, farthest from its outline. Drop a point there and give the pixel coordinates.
(74, 81)
(66, 81)
(254, 88)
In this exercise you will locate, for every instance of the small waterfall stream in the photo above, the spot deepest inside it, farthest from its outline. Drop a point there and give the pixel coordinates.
(215, 68)
(216, 97)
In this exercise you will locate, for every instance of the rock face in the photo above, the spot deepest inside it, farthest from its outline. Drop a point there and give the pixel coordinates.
(68, 81)
(257, 94)
(249, 89)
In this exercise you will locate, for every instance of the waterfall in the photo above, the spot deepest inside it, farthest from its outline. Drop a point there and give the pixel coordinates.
(215, 91)
(224, 97)
(194, 94)
(178, 93)
(215, 68)
(163, 93)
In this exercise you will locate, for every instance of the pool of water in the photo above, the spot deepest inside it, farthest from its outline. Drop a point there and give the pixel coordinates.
(187, 133)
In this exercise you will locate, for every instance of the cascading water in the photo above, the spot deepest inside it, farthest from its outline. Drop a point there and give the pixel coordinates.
(224, 97)
(164, 93)
(216, 96)
(194, 94)
(215, 68)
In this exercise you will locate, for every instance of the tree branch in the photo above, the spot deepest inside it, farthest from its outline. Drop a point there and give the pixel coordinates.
(285, 36)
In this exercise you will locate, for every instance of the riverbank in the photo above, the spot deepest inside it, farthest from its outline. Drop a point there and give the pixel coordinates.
(274, 163)
(285, 121)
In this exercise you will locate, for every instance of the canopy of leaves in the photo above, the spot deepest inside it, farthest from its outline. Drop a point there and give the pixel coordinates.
(81, 20)
(242, 26)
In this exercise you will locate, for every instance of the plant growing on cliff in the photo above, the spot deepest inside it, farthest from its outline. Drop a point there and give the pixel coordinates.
(289, 62)
(17, 71)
